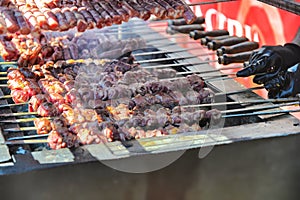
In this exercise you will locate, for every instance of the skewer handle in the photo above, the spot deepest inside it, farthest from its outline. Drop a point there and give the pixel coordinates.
(214, 45)
(181, 21)
(185, 28)
(234, 58)
(237, 48)
(201, 34)
(207, 39)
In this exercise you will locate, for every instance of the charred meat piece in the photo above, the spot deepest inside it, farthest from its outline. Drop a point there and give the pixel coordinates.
(52, 20)
(196, 82)
(31, 87)
(3, 28)
(117, 19)
(47, 109)
(171, 13)
(142, 13)
(70, 17)
(55, 140)
(164, 73)
(20, 96)
(117, 6)
(62, 21)
(35, 101)
(10, 20)
(107, 19)
(43, 125)
(23, 24)
(9, 51)
(13, 73)
(82, 24)
(51, 86)
(40, 18)
(88, 17)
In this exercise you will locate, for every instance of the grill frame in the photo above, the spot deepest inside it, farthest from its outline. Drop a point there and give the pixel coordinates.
(273, 126)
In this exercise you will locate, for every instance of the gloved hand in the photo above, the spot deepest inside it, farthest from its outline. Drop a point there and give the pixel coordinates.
(285, 85)
(270, 61)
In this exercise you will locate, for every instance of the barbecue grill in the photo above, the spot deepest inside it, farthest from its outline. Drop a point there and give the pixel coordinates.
(22, 156)
(26, 157)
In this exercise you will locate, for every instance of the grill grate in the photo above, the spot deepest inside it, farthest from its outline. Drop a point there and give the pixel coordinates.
(22, 158)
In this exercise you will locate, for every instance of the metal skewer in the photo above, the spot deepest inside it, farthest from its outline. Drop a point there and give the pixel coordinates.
(19, 129)
(138, 24)
(177, 58)
(207, 71)
(225, 59)
(130, 32)
(206, 79)
(15, 142)
(5, 97)
(259, 101)
(259, 108)
(18, 114)
(22, 120)
(28, 137)
(262, 113)
(169, 51)
(224, 77)
(3, 78)
(173, 43)
(187, 64)
(179, 36)
(240, 91)
(209, 78)
(11, 105)
(8, 63)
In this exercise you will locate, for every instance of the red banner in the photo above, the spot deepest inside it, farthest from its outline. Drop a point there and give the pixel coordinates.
(256, 20)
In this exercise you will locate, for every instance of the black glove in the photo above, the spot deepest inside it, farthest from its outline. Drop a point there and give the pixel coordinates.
(286, 84)
(270, 61)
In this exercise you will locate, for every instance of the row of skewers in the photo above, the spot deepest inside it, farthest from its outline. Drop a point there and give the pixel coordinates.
(137, 121)
(98, 44)
(32, 16)
(55, 92)
(122, 115)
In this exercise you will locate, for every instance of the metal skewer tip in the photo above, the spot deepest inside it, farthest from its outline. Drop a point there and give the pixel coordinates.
(8, 63)
(34, 141)
(261, 113)
(20, 129)
(259, 101)
(22, 120)
(18, 114)
(28, 137)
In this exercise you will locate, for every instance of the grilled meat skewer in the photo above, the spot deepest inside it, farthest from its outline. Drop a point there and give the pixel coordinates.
(42, 15)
